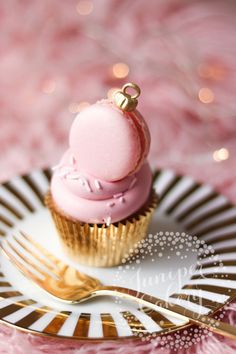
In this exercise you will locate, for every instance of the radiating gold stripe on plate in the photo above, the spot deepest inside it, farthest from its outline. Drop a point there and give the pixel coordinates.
(168, 188)
(190, 190)
(34, 187)
(19, 196)
(135, 325)
(157, 317)
(9, 309)
(201, 301)
(82, 326)
(217, 226)
(55, 325)
(225, 250)
(10, 208)
(217, 254)
(197, 205)
(32, 317)
(7, 294)
(108, 325)
(217, 264)
(5, 311)
(156, 176)
(27, 302)
(6, 221)
(212, 289)
(4, 283)
(221, 238)
(208, 215)
(47, 173)
(220, 276)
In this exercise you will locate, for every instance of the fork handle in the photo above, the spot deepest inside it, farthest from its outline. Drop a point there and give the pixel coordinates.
(169, 308)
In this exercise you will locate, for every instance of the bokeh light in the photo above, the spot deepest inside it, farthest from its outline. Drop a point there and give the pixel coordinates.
(120, 70)
(75, 107)
(221, 155)
(84, 7)
(48, 86)
(206, 95)
(211, 71)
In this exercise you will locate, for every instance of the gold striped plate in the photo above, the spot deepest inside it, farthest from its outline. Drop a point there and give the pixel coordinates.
(201, 285)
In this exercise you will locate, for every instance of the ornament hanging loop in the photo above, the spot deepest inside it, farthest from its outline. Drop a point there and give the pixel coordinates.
(125, 101)
(134, 87)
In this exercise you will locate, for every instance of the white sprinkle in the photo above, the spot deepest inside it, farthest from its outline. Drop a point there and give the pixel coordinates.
(73, 176)
(81, 181)
(122, 199)
(72, 160)
(87, 186)
(67, 169)
(57, 167)
(118, 195)
(63, 174)
(132, 183)
(84, 182)
(64, 171)
(111, 204)
(97, 184)
(107, 221)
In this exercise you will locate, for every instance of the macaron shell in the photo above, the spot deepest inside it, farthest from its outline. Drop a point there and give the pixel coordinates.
(106, 142)
(144, 136)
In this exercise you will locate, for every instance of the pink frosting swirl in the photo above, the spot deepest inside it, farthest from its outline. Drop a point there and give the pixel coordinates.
(92, 200)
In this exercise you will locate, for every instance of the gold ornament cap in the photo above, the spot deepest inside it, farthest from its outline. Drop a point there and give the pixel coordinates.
(125, 101)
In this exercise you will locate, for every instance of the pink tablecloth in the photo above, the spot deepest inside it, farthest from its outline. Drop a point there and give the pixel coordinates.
(57, 55)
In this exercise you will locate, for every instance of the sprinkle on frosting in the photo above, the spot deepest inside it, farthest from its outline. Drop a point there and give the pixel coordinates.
(62, 174)
(75, 176)
(64, 171)
(111, 204)
(84, 182)
(133, 183)
(118, 195)
(97, 184)
(87, 186)
(122, 199)
(107, 221)
(72, 160)
(67, 169)
(81, 181)
(57, 167)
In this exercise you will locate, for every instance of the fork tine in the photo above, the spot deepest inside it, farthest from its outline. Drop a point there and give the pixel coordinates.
(45, 252)
(44, 262)
(25, 271)
(25, 259)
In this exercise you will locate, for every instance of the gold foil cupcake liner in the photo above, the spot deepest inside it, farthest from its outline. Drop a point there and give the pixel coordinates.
(98, 244)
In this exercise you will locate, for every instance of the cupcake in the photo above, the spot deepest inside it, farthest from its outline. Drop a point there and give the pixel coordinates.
(101, 197)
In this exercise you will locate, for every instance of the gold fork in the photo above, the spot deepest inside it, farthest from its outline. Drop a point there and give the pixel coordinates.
(66, 283)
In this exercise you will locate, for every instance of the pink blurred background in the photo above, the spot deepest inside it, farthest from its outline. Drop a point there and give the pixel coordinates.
(58, 56)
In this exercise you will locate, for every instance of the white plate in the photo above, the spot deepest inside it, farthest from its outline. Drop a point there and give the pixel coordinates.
(164, 269)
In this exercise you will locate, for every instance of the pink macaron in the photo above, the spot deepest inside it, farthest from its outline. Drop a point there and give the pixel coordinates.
(108, 143)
